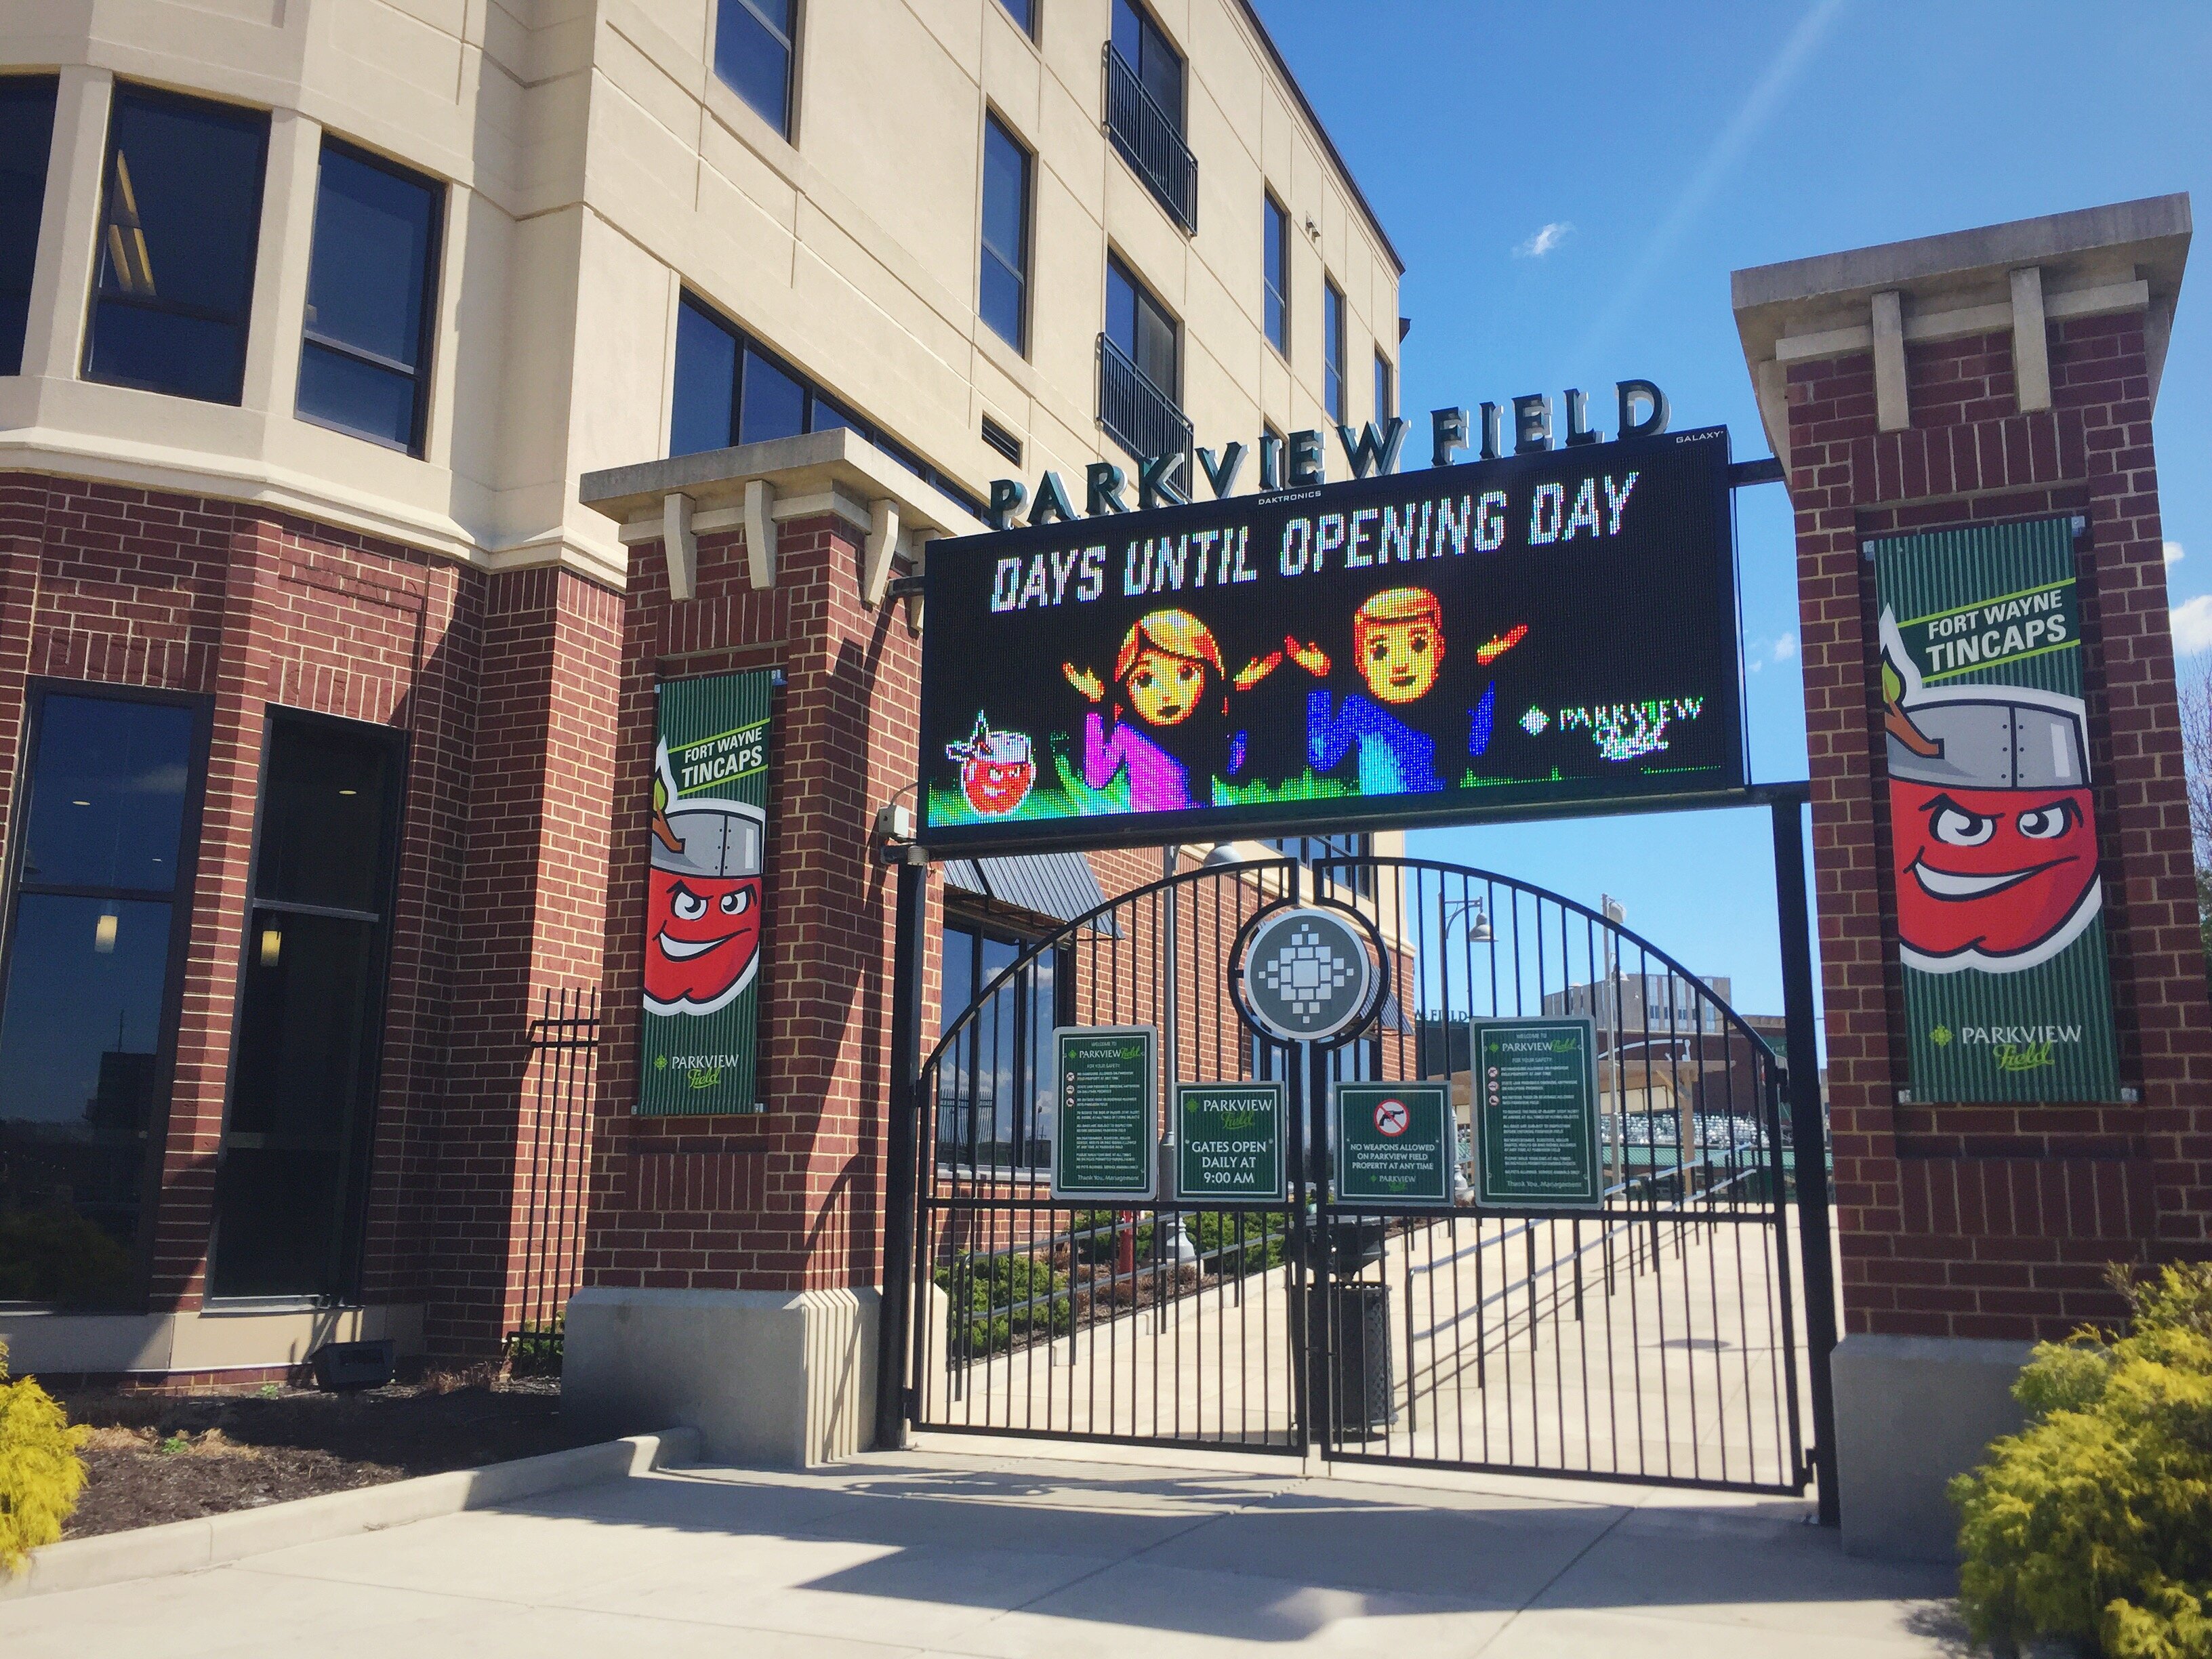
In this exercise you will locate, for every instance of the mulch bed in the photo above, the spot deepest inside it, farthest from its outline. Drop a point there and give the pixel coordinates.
(155, 1458)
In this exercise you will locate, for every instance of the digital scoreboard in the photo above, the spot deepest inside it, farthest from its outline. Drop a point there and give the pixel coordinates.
(1544, 632)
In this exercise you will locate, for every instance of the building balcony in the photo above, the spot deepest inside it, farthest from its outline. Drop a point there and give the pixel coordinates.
(1139, 416)
(1151, 140)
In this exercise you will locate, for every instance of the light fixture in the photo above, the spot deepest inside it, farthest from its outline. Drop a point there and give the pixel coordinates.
(1480, 933)
(1223, 854)
(103, 933)
(272, 946)
(80, 803)
(348, 792)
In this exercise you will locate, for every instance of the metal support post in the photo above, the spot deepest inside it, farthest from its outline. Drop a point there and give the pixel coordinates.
(1807, 1134)
(901, 1140)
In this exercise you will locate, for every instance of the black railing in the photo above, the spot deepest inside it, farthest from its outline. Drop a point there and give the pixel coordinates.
(564, 1048)
(1139, 416)
(1151, 140)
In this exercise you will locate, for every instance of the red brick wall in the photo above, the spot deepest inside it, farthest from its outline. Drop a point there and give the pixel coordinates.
(790, 1199)
(1998, 1221)
(122, 587)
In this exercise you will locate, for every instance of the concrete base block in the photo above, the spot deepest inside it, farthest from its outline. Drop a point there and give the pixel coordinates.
(771, 1378)
(1911, 1412)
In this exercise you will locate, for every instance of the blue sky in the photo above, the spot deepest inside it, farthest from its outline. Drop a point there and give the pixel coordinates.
(1570, 187)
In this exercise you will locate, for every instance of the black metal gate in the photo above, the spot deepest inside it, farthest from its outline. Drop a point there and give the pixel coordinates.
(1657, 1339)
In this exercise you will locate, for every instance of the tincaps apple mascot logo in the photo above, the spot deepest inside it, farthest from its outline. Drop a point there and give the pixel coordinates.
(703, 903)
(1994, 846)
(996, 769)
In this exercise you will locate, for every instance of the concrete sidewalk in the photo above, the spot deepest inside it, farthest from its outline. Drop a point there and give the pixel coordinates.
(984, 1548)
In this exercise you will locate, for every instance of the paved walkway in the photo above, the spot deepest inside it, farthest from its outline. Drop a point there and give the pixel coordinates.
(974, 1548)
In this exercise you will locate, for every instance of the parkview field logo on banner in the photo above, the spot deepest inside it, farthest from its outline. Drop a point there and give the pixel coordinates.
(704, 897)
(2008, 995)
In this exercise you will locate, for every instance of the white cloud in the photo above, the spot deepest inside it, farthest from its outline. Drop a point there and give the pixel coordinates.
(2173, 552)
(1544, 240)
(2192, 626)
(1763, 654)
(1785, 647)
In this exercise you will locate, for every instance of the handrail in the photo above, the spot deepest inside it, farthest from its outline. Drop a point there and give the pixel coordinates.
(1151, 140)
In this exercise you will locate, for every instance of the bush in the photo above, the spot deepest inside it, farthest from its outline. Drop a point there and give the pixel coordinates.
(57, 1255)
(996, 1299)
(41, 1472)
(1241, 1242)
(2095, 1523)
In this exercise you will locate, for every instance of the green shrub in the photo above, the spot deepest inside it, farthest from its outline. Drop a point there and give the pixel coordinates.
(2095, 1523)
(997, 1299)
(57, 1255)
(41, 1472)
(1250, 1241)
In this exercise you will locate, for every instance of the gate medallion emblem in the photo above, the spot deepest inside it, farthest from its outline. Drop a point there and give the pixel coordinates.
(1307, 974)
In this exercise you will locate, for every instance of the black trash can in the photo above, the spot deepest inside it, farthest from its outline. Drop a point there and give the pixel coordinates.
(1359, 1342)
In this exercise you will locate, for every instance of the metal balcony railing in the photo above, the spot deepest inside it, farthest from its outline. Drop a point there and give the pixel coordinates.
(1139, 416)
(1151, 140)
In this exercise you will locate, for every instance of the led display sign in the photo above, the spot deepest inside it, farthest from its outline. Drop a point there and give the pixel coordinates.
(1541, 632)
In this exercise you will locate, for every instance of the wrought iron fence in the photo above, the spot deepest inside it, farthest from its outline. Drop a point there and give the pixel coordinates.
(1150, 139)
(1139, 416)
(564, 1047)
(1652, 1338)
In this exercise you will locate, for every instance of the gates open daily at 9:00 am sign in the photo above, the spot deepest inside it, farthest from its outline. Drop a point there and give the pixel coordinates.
(1541, 630)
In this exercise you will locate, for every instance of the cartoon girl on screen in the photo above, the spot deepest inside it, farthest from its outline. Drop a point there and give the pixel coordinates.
(1167, 722)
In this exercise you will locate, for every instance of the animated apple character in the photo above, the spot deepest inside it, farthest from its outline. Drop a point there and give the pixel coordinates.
(997, 768)
(703, 904)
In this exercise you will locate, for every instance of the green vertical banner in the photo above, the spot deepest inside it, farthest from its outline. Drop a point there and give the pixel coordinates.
(704, 898)
(2008, 996)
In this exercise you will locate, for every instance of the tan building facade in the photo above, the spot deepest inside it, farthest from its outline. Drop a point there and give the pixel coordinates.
(309, 491)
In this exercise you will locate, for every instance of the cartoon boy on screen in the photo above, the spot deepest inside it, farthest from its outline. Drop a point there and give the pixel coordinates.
(1993, 838)
(1398, 646)
(1168, 720)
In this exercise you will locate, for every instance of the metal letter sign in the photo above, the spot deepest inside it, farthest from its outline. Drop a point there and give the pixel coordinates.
(1536, 1132)
(1105, 1147)
(1992, 824)
(1229, 1142)
(1396, 1143)
(1306, 975)
(1542, 631)
(704, 894)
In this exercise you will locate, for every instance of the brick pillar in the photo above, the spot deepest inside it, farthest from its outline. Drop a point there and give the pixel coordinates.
(749, 1245)
(1966, 1232)
(531, 921)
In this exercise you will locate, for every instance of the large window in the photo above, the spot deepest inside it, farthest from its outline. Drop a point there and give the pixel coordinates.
(108, 815)
(1277, 274)
(1141, 327)
(1005, 279)
(1385, 398)
(1145, 48)
(1023, 12)
(365, 358)
(292, 1182)
(728, 391)
(1333, 353)
(180, 214)
(27, 130)
(995, 1095)
(752, 53)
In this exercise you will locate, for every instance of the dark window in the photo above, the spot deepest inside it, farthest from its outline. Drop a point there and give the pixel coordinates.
(26, 131)
(752, 53)
(110, 818)
(292, 1181)
(729, 391)
(1002, 441)
(1004, 297)
(1144, 49)
(179, 216)
(1277, 275)
(994, 1084)
(365, 357)
(1023, 12)
(1323, 850)
(1137, 324)
(1384, 400)
(1333, 353)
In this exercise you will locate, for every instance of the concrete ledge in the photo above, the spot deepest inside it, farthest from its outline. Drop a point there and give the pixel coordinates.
(1911, 1412)
(779, 1378)
(191, 1546)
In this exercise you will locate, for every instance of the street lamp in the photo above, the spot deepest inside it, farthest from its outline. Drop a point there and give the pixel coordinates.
(1479, 930)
